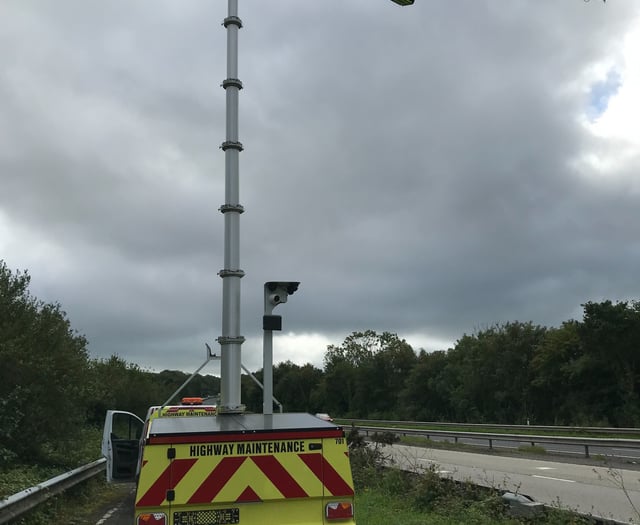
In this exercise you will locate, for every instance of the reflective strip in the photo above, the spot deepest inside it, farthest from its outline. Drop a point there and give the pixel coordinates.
(217, 480)
(247, 496)
(232, 472)
(276, 473)
(169, 478)
(327, 474)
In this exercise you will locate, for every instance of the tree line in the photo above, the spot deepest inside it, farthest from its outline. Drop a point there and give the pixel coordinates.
(584, 372)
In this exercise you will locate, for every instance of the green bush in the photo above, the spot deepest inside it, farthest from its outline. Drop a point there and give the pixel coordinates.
(22, 477)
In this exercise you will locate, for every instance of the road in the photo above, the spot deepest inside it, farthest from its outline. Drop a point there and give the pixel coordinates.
(601, 492)
(119, 510)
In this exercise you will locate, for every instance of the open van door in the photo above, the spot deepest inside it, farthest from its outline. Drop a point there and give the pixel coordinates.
(121, 445)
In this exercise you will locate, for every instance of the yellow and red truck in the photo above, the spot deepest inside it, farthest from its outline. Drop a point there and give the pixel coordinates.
(194, 467)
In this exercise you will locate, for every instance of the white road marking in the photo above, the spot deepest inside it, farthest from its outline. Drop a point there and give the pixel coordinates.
(554, 479)
(110, 512)
(545, 468)
(107, 515)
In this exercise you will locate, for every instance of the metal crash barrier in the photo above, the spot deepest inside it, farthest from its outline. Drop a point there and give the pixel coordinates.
(21, 502)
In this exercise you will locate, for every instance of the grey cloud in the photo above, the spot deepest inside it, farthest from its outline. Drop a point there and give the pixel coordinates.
(414, 167)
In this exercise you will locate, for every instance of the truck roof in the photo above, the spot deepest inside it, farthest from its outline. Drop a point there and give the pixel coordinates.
(233, 426)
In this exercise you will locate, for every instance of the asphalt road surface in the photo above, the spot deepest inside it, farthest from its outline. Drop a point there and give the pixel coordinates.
(119, 510)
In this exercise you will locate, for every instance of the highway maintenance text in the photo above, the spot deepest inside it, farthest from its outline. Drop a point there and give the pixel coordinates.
(257, 447)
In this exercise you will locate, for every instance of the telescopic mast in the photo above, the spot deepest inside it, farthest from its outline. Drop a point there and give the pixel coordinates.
(231, 340)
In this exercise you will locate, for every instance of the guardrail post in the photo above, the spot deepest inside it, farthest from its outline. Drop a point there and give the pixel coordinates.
(491, 443)
(586, 451)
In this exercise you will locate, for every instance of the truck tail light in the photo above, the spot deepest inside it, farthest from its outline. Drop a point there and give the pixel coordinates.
(153, 518)
(339, 510)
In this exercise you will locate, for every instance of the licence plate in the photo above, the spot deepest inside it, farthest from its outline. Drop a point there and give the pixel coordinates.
(207, 517)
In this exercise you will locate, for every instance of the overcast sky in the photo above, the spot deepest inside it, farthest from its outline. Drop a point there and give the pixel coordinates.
(428, 170)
